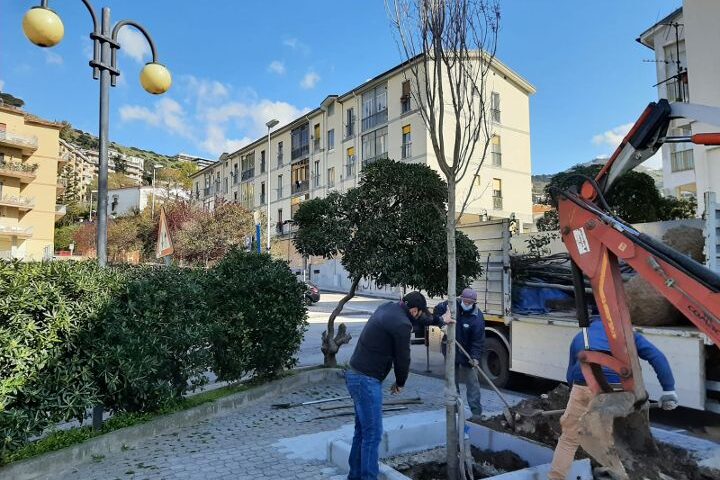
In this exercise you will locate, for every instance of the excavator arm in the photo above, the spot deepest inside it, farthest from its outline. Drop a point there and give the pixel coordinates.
(596, 241)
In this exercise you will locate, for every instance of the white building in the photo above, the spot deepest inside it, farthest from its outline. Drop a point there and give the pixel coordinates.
(688, 70)
(201, 162)
(130, 200)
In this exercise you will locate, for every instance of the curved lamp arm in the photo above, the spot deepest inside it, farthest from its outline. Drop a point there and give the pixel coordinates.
(141, 29)
(96, 31)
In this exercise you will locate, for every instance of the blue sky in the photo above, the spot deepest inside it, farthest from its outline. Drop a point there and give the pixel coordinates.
(237, 63)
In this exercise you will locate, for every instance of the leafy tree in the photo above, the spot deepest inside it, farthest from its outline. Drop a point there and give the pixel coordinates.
(13, 101)
(548, 222)
(390, 229)
(115, 180)
(64, 236)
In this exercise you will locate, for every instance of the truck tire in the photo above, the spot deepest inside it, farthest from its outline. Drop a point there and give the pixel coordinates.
(496, 362)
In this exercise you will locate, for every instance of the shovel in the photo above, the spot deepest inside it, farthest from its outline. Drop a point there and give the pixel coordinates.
(507, 413)
(312, 402)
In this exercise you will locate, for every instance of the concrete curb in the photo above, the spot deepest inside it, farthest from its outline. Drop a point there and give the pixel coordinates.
(54, 463)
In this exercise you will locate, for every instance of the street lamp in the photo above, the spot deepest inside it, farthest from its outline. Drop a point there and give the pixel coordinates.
(270, 124)
(152, 209)
(44, 28)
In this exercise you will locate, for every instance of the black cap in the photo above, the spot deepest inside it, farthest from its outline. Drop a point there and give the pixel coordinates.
(416, 300)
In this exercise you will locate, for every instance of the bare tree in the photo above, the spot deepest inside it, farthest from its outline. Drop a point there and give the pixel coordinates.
(450, 47)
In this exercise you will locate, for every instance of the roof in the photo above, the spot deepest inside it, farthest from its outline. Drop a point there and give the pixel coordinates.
(645, 37)
(30, 118)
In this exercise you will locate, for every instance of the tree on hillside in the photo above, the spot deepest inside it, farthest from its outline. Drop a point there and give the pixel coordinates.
(13, 101)
(450, 48)
(390, 229)
(116, 180)
(634, 197)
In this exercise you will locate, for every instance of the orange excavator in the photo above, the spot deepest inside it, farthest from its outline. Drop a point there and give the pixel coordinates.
(597, 241)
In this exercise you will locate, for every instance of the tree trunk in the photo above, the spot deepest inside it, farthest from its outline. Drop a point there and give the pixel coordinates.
(330, 341)
(450, 392)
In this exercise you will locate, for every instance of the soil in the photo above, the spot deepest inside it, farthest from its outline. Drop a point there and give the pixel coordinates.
(669, 462)
(430, 464)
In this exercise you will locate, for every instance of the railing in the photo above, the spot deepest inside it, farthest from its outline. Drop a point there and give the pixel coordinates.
(20, 167)
(30, 142)
(497, 203)
(17, 201)
(496, 159)
(677, 91)
(369, 161)
(375, 119)
(350, 129)
(495, 112)
(407, 150)
(16, 231)
(300, 151)
(247, 174)
(300, 187)
(286, 228)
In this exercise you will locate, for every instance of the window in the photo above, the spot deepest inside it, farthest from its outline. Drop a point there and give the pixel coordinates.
(280, 221)
(406, 142)
(478, 181)
(331, 177)
(677, 87)
(247, 165)
(496, 151)
(300, 141)
(300, 177)
(316, 137)
(350, 162)
(316, 174)
(497, 194)
(279, 187)
(681, 154)
(495, 106)
(235, 196)
(350, 123)
(374, 145)
(280, 218)
(247, 195)
(331, 139)
(225, 185)
(280, 154)
(405, 98)
(235, 174)
(262, 161)
(262, 193)
(331, 109)
(374, 107)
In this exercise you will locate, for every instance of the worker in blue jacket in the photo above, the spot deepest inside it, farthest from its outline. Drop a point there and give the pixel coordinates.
(470, 333)
(581, 395)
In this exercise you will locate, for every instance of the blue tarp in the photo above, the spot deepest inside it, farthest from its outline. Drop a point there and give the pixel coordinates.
(532, 300)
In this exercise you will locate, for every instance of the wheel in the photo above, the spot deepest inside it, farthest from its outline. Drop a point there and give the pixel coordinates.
(496, 362)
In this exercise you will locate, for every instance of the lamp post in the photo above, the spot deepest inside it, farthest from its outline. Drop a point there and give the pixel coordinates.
(152, 209)
(91, 195)
(44, 28)
(272, 123)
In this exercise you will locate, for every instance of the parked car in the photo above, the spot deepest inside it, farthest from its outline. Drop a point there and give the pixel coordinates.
(312, 294)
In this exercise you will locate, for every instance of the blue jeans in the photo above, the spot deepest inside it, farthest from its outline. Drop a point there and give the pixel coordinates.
(366, 393)
(467, 375)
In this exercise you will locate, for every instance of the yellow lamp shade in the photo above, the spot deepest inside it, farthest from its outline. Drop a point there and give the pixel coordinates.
(43, 27)
(155, 78)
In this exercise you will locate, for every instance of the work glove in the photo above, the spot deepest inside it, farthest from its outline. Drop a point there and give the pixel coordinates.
(669, 400)
(474, 363)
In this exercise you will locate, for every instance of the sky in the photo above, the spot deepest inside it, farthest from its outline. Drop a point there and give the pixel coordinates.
(236, 64)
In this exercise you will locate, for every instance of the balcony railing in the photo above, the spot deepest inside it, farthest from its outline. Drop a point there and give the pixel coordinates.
(406, 150)
(497, 203)
(16, 231)
(369, 161)
(495, 112)
(496, 159)
(23, 171)
(375, 119)
(300, 187)
(300, 152)
(27, 144)
(677, 91)
(247, 174)
(19, 202)
(287, 227)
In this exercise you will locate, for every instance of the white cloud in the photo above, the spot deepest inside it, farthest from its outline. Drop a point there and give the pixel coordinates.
(167, 114)
(296, 44)
(612, 138)
(2, 85)
(216, 141)
(310, 80)
(655, 161)
(53, 58)
(276, 66)
(133, 44)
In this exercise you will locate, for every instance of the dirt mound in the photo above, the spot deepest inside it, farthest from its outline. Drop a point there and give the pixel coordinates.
(647, 307)
(668, 462)
(686, 240)
(430, 464)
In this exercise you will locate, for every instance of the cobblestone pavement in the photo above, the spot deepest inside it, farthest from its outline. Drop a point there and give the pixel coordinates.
(255, 441)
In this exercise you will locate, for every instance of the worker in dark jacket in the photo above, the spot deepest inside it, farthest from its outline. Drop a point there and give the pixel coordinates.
(470, 333)
(581, 395)
(384, 344)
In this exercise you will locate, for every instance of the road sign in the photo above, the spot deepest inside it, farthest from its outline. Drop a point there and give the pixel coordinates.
(164, 242)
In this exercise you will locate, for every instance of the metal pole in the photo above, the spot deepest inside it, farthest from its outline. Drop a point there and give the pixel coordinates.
(103, 158)
(258, 237)
(267, 192)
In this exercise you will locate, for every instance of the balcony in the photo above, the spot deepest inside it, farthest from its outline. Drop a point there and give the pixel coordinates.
(63, 159)
(27, 144)
(23, 171)
(61, 185)
(371, 160)
(374, 120)
(23, 204)
(497, 203)
(247, 174)
(286, 228)
(15, 231)
(60, 211)
(300, 187)
(300, 152)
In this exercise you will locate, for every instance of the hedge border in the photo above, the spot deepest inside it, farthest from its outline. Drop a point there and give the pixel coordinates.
(54, 463)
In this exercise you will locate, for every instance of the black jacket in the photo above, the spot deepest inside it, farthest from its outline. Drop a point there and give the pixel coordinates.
(384, 342)
(469, 331)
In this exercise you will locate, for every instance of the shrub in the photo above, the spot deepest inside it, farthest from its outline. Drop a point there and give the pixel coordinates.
(257, 306)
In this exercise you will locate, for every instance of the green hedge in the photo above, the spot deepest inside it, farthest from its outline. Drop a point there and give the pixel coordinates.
(135, 339)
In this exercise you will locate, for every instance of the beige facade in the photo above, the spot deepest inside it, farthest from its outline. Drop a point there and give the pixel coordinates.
(78, 172)
(327, 148)
(29, 158)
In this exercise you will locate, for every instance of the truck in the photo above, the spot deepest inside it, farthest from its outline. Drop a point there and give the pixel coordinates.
(538, 345)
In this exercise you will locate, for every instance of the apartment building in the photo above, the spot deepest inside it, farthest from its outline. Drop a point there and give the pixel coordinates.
(29, 161)
(77, 173)
(327, 149)
(688, 70)
(199, 161)
(130, 165)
